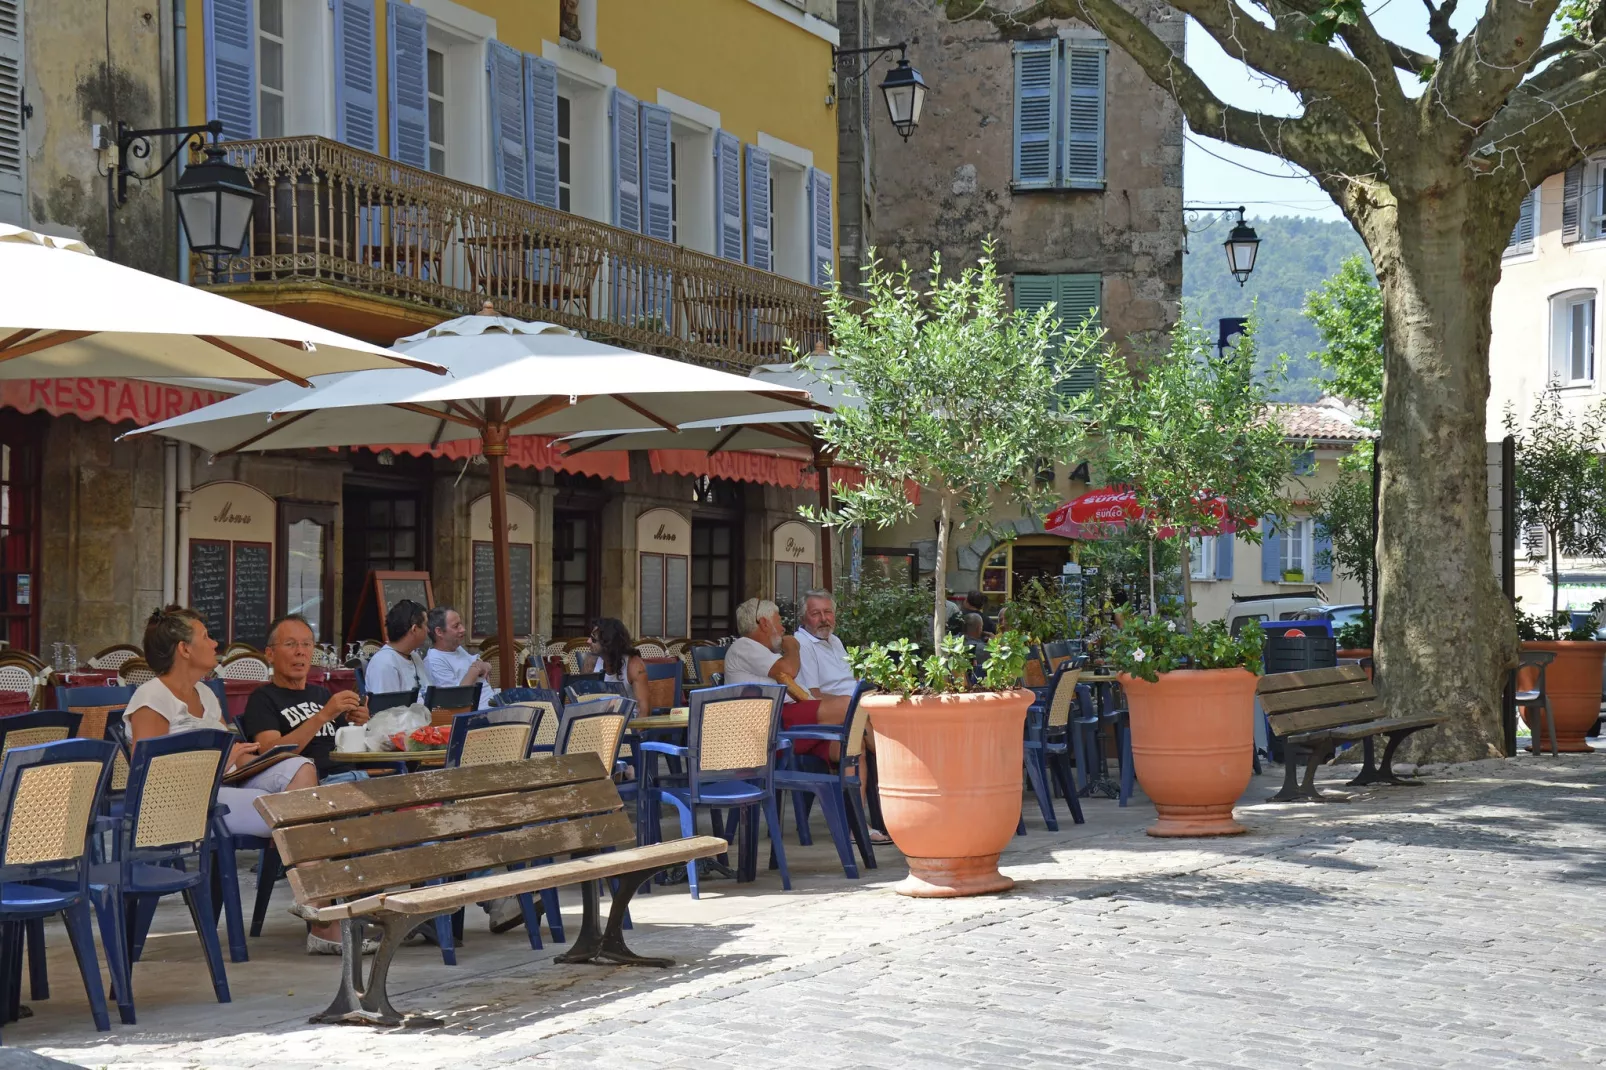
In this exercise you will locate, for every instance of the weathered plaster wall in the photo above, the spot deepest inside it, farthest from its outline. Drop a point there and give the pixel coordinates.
(948, 187)
(90, 61)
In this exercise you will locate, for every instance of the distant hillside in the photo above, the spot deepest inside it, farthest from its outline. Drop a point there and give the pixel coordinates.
(1296, 253)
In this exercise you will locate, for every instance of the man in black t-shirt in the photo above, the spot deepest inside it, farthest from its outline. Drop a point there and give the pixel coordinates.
(287, 710)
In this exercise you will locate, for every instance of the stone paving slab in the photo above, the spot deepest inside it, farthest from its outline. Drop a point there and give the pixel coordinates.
(1448, 925)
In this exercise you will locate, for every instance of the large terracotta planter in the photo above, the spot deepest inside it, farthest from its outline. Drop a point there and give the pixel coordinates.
(950, 773)
(1193, 744)
(1573, 683)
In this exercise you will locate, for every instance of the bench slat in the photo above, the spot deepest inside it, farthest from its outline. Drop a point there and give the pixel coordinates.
(1292, 681)
(319, 882)
(1311, 697)
(1373, 728)
(1283, 724)
(445, 897)
(311, 842)
(329, 801)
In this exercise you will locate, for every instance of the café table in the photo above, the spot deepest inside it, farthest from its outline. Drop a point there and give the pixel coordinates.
(1103, 686)
(399, 761)
(12, 702)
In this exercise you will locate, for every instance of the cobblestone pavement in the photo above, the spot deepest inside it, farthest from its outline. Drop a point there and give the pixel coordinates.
(1446, 926)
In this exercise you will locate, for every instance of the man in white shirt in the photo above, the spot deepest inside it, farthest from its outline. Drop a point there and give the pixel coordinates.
(447, 663)
(397, 666)
(824, 671)
(764, 654)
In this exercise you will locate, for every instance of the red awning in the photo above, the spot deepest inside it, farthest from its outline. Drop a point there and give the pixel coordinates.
(113, 400)
(529, 451)
(746, 467)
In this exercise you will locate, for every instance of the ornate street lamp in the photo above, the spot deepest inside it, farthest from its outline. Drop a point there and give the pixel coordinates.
(903, 88)
(215, 198)
(1242, 243)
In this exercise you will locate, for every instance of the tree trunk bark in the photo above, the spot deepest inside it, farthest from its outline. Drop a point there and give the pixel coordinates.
(1444, 631)
(1555, 580)
(939, 578)
(1183, 549)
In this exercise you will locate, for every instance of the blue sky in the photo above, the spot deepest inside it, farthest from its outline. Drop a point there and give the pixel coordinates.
(1216, 173)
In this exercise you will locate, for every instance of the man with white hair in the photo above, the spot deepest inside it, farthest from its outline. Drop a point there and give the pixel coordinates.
(824, 671)
(765, 653)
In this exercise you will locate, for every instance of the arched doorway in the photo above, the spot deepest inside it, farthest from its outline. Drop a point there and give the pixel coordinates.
(1009, 566)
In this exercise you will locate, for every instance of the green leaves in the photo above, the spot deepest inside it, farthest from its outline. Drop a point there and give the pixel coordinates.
(1561, 479)
(1344, 516)
(898, 668)
(1347, 312)
(1145, 647)
(1331, 17)
(1006, 661)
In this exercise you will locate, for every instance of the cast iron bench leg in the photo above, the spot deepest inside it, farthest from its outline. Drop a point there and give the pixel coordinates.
(1387, 772)
(358, 1003)
(608, 946)
(1290, 788)
(1318, 756)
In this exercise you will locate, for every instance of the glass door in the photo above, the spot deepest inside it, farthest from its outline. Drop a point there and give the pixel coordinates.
(715, 578)
(576, 573)
(20, 472)
(307, 564)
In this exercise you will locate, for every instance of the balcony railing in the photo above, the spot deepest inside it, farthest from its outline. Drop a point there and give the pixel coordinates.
(339, 216)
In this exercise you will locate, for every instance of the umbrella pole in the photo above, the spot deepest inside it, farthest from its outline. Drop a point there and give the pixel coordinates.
(493, 441)
(825, 532)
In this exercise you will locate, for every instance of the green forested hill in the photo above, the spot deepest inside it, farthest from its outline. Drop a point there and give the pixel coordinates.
(1296, 253)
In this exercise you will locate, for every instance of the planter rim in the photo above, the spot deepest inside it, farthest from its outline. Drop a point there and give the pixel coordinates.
(1564, 642)
(892, 698)
(1124, 677)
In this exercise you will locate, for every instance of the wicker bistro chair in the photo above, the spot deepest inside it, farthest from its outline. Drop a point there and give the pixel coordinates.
(731, 738)
(245, 665)
(49, 795)
(15, 677)
(162, 844)
(134, 672)
(1053, 731)
(115, 655)
(839, 791)
(651, 650)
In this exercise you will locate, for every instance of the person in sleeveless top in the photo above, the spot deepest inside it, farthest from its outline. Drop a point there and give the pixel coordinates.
(615, 656)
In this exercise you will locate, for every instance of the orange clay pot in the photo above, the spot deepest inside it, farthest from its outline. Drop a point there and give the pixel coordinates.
(1573, 683)
(1357, 653)
(1193, 740)
(950, 774)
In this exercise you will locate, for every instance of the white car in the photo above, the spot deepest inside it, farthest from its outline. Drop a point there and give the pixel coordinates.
(1289, 605)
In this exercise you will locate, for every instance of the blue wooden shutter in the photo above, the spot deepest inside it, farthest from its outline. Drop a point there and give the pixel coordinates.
(1305, 463)
(760, 250)
(657, 211)
(1079, 299)
(356, 75)
(408, 29)
(1224, 556)
(1084, 114)
(541, 126)
(508, 140)
(231, 66)
(1321, 546)
(1036, 112)
(1271, 551)
(822, 265)
(728, 194)
(1522, 235)
(624, 114)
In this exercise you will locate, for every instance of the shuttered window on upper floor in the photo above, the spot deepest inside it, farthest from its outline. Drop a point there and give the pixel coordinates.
(1059, 113)
(13, 154)
(1075, 298)
(1522, 235)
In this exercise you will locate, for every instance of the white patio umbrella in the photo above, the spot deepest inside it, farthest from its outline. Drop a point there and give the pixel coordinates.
(66, 312)
(507, 377)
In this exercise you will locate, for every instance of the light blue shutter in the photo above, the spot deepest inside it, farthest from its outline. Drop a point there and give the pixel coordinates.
(1522, 235)
(1079, 299)
(1224, 556)
(760, 251)
(1305, 463)
(1271, 551)
(231, 66)
(623, 113)
(508, 141)
(1084, 114)
(408, 30)
(728, 194)
(1036, 112)
(541, 125)
(822, 266)
(657, 211)
(1572, 203)
(1322, 545)
(356, 75)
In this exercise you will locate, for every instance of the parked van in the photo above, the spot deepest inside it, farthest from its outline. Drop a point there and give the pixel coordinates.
(1284, 605)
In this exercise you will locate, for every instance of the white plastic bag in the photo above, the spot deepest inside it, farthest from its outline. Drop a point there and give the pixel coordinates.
(387, 723)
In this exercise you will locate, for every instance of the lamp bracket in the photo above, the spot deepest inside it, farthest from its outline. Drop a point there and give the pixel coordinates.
(875, 52)
(136, 145)
(1193, 213)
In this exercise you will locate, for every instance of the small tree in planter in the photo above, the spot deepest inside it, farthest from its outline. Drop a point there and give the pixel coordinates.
(961, 395)
(1193, 435)
(1561, 487)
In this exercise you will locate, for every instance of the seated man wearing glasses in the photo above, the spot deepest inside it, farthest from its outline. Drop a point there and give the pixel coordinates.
(287, 709)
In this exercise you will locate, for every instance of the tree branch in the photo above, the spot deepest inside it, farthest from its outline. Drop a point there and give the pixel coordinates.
(1539, 134)
(1440, 32)
(1480, 72)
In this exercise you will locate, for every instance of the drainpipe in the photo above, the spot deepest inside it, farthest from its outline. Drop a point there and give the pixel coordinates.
(181, 577)
(169, 521)
(181, 103)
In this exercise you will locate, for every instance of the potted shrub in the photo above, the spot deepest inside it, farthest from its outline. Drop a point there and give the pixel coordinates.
(1561, 489)
(959, 394)
(1191, 433)
(1354, 639)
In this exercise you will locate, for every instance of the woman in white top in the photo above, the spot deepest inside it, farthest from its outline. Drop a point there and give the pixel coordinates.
(178, 647)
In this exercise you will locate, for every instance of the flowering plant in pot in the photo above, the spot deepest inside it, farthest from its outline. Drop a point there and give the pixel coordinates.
(1193, 434)
(1561, 489)
(960, 394)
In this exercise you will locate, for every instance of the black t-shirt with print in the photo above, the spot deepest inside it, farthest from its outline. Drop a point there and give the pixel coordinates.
(278, 709)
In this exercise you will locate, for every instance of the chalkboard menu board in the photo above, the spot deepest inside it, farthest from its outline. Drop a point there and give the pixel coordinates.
(393, 591)
(209, 584)
(253, 593)
(521, 570)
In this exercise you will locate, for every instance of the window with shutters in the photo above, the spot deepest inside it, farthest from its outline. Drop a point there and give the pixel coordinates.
(270, 68)
(1060, 104)
(13, 157)
(1594, 199)
(674, 192)
(1075, 298)
(1572, 338)
(437, 110)
(438, 90)
(789, 219)
(1522, 235)
(1295, 539)
(588, 126)
(269, 71)
(1202, 557)
(565, 154)
(692, 188)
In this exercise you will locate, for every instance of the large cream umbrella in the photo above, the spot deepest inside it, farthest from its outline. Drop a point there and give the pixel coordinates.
(65, 312)
(507, 377)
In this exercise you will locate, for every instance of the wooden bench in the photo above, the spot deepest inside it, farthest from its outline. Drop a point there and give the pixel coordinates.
(1316, 710)
(362, 854)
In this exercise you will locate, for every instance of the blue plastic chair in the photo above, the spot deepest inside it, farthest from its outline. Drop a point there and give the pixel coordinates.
(658, 671)
(1092, 722)
(1053, 730)
(74, 697)
(839, 791)
(579, 685)
(49, 795)
(391, 699)
(162, 843)
(40, 726)
(731, 738)
(453, 698)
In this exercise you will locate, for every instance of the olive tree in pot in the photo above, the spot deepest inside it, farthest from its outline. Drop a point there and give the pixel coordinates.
(1193, 434)
(960, 396)
(1561, 488)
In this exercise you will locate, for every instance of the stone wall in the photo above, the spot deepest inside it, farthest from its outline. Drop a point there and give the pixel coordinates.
(948, 187)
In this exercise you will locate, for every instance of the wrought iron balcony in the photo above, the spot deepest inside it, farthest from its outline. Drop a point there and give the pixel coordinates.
(425, 247)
